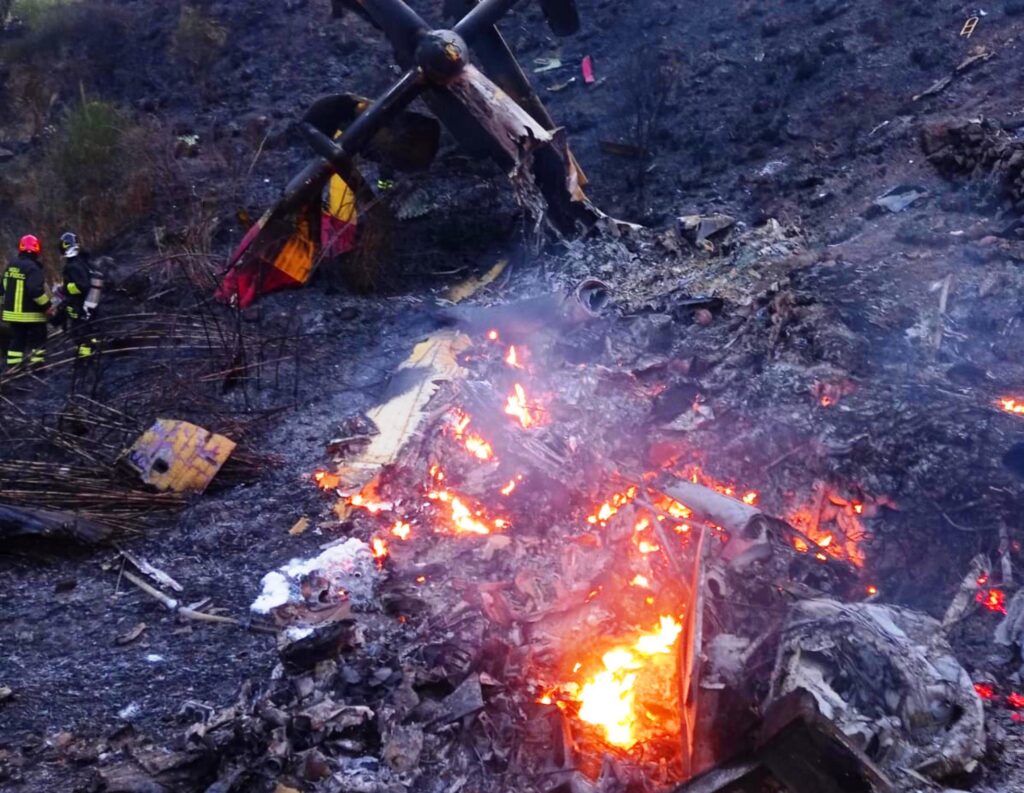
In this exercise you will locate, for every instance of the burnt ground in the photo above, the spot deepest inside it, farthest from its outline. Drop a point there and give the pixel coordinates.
(801, 112)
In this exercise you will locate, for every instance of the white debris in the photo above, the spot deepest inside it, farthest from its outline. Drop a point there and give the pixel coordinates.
(153, 658)
(348, 568)
(129, 712)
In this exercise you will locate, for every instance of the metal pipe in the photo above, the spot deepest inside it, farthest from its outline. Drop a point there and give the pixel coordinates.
(338, 155)
(352, 140)
(485, 15)
(400, 24)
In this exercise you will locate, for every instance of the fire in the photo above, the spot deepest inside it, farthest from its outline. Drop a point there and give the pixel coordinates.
(612, 506)
(825, 541)
(640, 581)
(519, 407)
(512, 358)
(608, 699)
(465, 520)
(472, 442)
(872, 590)
(1015, 700)
(325, 480)
(826, 401)
(507, 489)
(379, 549)
(1011, 405)
(401, 530)
(985, 690)
(750, 498)
(647, 547)
(369, 499)
(492, 335)
(992, 599)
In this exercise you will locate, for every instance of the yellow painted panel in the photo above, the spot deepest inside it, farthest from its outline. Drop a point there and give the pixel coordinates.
(178, 456)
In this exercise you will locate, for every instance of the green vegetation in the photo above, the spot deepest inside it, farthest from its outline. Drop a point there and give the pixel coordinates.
(37, 13)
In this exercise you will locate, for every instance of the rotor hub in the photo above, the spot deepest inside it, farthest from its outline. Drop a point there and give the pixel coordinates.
(442, 55)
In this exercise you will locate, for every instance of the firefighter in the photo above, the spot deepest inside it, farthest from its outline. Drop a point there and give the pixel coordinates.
(25, 304)
(80, 293)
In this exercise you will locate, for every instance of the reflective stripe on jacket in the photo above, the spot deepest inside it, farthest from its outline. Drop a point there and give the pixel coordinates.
(24, 291)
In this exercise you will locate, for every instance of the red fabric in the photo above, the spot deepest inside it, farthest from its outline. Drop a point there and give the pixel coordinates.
(588, 70)
(336, 236)
(243, 283)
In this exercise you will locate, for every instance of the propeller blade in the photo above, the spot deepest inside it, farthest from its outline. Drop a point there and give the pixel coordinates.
(400, 24)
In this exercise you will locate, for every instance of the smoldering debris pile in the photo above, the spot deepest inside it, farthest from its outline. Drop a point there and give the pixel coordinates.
(520, 598)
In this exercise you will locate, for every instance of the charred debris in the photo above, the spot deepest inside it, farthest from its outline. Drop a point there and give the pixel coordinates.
(561, 549)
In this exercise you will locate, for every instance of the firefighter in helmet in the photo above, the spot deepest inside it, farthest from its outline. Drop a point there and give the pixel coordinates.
(79, 293)
(25, 304)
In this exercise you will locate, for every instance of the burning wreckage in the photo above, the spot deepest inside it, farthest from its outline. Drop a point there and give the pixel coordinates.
(552, 609)
(538, 589)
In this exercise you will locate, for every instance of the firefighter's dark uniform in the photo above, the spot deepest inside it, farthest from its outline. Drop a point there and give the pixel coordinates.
(77, 278)
(25, 301)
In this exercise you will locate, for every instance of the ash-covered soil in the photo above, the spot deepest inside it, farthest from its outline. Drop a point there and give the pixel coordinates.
(794, 111)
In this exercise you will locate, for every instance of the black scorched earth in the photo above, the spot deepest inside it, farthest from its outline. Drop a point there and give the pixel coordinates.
(542, 396)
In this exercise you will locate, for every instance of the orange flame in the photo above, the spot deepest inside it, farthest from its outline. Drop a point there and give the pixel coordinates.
(325, 480)
(461, 517)
(608, 699)
(519, 408)
(612, 506)
(379, 549)
(401, 530)
(1011, 405)
(992, 599)
(512, 359)
(473, 443)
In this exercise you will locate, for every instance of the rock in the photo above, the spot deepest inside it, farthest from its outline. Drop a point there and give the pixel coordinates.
(703, 317)
(899, 198)
(6, 155)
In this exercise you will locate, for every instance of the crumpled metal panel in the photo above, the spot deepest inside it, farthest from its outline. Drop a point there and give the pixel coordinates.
(179, 456)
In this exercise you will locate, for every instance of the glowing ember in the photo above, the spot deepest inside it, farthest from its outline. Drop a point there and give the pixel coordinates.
(507, 489)
(647, 547)
(825, 541)
(1011, 405)
(519, 408)
(750, 498)
(401, 530)
(825, 401)
(993, 600)
(492, 335)
(1015, 700)
(640, 581)
(613, 505)
(325, 480)
(379, 549)
(512, 359)
(872, 590)
(985, 690)
(608, 699)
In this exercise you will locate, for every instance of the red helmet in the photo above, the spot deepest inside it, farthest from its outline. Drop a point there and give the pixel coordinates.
(30, 244)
